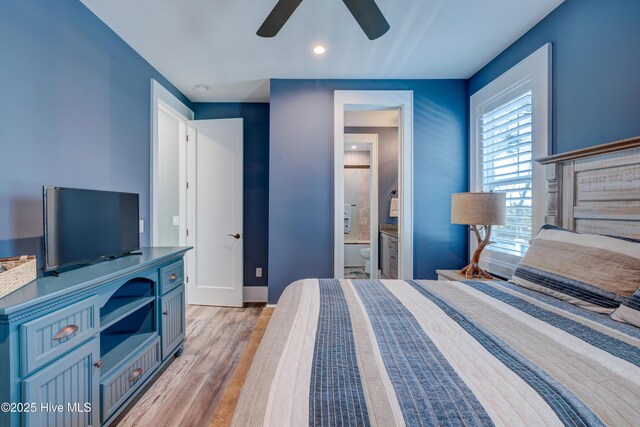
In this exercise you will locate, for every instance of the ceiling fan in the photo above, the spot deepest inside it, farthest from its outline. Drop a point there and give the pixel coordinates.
(366, 12)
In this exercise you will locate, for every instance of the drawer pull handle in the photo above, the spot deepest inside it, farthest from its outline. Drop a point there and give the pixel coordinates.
(66, 332)
(173, 277)
(135, 375)
(98, 364)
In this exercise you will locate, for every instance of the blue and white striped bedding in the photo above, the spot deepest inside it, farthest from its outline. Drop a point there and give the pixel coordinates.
(370, 352)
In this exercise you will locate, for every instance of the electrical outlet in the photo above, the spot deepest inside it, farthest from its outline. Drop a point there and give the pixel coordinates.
(141, 226)
(258, 272)
(176, 220)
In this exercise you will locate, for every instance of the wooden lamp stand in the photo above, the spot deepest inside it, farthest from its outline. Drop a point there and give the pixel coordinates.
(473, 270)
(486, 209)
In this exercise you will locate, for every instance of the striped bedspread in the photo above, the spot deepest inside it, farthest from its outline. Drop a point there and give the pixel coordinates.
(426, 353)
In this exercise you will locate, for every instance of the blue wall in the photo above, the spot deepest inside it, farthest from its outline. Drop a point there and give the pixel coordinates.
(301, 175)
(75, 112)
(596, 69)
(256, 180)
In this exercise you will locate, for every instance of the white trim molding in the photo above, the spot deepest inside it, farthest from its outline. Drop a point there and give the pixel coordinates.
(377, 100)
(533, 73)
(255, 294)
(162, 98)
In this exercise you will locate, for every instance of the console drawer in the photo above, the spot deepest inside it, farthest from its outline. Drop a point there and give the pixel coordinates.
(47, 338)
(171, 276)
(117, 388)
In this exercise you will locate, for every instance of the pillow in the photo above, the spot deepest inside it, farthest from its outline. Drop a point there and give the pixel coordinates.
(589, 270)
(629, 311)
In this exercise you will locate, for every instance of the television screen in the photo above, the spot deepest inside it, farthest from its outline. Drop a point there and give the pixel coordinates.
(81, 226)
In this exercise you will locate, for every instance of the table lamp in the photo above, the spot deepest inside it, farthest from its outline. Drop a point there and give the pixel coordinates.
(478, 210)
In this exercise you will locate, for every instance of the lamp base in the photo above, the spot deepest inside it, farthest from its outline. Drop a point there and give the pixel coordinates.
(473, 270)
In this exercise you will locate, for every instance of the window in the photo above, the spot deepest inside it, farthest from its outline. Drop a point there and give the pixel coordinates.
(506, 164)
(509, 130)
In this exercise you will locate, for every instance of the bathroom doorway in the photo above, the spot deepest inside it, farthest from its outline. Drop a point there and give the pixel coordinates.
(360, 205)
(391, 233)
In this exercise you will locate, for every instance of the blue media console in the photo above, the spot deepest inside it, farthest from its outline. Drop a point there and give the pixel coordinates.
(75, 349)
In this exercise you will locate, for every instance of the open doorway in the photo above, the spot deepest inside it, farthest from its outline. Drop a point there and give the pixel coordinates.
(360, 205)
(388, 115)
(169, 118)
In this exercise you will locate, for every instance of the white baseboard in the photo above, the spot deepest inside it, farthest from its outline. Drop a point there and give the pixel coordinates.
(255, 294)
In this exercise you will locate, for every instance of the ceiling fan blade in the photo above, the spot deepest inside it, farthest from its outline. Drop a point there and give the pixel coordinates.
(369, 16)
(278, 17)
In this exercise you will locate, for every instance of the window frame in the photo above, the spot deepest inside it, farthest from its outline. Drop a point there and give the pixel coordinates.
(533, 73)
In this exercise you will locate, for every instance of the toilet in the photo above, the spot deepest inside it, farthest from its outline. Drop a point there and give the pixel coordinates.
(366, 254)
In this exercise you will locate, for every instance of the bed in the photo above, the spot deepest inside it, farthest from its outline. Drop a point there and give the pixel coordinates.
(393, 352)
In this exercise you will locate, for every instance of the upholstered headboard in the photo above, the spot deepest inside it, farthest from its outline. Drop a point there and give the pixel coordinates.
(596, 190)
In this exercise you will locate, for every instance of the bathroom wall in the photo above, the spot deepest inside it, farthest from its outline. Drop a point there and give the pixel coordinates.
(387, 167)
(356, 158)
(168, 179)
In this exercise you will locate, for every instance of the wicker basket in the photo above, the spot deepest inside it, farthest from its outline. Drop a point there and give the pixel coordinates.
(16, 272)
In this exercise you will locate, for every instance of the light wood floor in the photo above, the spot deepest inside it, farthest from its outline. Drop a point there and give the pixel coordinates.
(189, 390)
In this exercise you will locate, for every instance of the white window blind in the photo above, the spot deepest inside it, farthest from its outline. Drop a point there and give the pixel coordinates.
(506, 166)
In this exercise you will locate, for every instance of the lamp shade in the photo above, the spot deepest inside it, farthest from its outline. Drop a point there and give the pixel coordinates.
(478, 208)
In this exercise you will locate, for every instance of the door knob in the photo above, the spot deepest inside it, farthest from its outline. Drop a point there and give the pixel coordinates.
(235, 236)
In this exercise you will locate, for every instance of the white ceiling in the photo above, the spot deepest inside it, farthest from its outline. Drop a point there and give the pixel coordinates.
(214, 42)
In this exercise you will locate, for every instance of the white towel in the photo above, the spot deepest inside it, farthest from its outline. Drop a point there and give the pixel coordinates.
(347, 211)
(393, 209)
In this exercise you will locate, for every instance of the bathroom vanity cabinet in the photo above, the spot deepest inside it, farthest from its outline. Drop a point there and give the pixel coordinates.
(389, 254)
(77, 348)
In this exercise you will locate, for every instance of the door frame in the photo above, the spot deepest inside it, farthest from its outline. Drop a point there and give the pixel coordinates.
(370, 139)
(368, 100)
(161, 98)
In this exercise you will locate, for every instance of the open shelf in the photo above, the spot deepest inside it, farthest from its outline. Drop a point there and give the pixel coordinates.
(119, 308)
(130, 297)
(121, 346)
(129, 323)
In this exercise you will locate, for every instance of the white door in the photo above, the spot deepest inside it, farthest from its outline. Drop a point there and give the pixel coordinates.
(214, 212)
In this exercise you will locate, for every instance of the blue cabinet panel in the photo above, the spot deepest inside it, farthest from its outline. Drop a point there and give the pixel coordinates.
(46, 338)
(72, 380)
(173, 320)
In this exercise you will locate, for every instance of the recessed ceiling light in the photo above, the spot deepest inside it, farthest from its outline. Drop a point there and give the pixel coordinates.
(353, 147)
(319, 49)
(202, 88)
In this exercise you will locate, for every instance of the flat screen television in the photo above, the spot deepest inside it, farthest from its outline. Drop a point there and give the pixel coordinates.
(84, 226)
